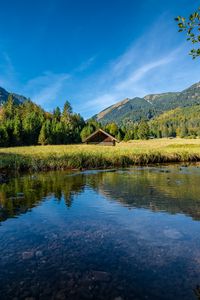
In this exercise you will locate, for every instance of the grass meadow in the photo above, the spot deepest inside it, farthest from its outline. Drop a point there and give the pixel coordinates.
(55, 157)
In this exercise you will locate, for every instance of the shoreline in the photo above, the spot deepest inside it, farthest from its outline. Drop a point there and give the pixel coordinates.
(84, 157)
(7, 174)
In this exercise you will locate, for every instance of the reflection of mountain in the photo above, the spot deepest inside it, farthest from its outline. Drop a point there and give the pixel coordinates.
(169, 190)
(22, 194)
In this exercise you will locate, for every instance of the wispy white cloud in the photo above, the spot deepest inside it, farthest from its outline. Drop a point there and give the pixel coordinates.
(141, 71)
(130, 84)
(8, 74)
(155, 63)
(85, 64)
(46, 89)
(104, 101)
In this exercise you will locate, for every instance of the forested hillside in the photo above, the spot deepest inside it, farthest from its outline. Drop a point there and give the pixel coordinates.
(181, 122)
(133, 110)
(28, 124)
(22, 122)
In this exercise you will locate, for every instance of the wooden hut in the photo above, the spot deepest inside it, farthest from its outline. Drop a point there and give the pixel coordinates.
(100, 137)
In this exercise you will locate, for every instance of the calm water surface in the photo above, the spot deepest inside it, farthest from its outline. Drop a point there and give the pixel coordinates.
(117, 235)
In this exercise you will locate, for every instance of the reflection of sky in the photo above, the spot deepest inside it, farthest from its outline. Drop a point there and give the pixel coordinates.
(154, 249)
(159, 227)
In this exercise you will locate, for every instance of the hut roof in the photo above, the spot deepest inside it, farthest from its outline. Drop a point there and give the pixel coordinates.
(102, 131)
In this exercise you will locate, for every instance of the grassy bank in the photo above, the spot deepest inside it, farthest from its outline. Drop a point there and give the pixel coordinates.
(91, 156)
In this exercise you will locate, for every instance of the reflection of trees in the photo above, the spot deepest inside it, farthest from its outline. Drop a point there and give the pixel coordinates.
(22, 194)
(197, 291)
(72, 186)
(173, 191)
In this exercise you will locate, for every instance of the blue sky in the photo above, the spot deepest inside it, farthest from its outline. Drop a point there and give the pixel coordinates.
(93, 53)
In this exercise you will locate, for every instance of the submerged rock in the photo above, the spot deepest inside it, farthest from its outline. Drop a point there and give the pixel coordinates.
(27, 254)
(100, 276)
(38, 253)
(173, 234)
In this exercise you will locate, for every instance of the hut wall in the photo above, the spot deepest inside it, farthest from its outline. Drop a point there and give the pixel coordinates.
(112, 143)
(102, 139)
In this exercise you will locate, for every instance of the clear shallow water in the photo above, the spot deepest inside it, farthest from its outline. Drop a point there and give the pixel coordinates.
(118, 234)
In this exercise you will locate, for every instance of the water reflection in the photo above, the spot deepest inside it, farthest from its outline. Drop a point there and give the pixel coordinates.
(23, 193)
(173, 190)
(112, 235)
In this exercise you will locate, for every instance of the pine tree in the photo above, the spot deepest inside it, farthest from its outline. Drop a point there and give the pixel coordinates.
(129, 135)
(183, 131)
(165, 131)
(42, 140)
(143, 130)
(17, 130)
(57, 113)
(112, 128)
(67, 108)
(86, 131)
(9, 107)
(4, 139)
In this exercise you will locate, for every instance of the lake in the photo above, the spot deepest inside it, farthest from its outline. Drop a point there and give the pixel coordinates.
(114, 234)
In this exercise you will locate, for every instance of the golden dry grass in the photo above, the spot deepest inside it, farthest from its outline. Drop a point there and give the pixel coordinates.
(93, 156)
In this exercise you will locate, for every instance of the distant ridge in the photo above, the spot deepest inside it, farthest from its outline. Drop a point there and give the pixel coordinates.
(109, 109)
(4, 97)
(149, 106)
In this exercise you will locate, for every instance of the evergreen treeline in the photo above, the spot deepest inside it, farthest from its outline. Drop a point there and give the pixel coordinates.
(181, 122)
(132, 131)
(29, 124)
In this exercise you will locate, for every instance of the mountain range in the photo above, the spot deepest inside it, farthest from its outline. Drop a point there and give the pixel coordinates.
(149, 106)
(135, 109)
